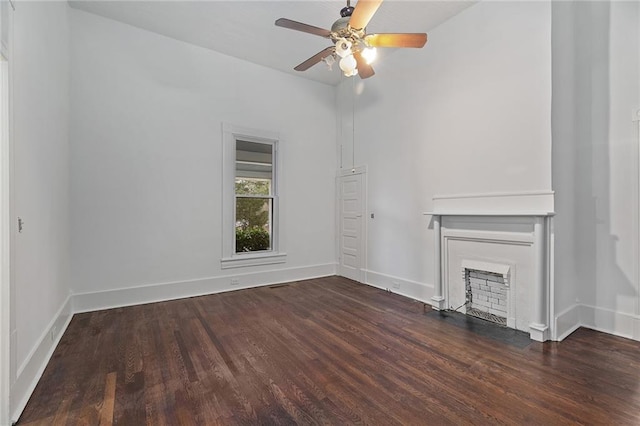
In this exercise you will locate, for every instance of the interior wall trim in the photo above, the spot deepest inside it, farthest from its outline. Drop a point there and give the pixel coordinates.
(635, 117)
(596, 318)
(31, 369)
(412, 289)
(566, 322)
(493, 194)
(611, 322)
(499, 202)
(6, 239)
(160, 292)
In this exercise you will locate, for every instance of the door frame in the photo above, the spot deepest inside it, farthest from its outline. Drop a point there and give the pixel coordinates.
(359, 170)
(7, 231)
(635, 118)
(6, 242)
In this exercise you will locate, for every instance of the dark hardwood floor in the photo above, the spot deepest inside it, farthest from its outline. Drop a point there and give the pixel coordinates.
(323, 351)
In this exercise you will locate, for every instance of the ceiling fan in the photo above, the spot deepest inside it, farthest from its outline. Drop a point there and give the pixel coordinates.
(351, 43)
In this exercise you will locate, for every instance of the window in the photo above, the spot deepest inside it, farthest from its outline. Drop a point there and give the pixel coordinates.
(254, 196)
(250, 198)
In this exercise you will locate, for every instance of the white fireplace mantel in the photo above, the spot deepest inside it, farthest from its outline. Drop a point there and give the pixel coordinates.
(536, 205)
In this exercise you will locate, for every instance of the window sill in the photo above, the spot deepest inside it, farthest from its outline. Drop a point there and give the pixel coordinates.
(253, 259)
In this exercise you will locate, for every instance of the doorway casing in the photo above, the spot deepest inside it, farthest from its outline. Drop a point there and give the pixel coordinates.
(6, 375)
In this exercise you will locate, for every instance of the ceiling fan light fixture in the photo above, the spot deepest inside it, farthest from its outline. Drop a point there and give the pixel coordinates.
(343, 47)
(348, 64)
(330, 60)
(369, 54)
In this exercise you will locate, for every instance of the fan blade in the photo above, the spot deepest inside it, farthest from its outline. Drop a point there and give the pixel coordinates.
(315, 59)
(364, 69)
(396, 40)
(305, 28)
(363, 13)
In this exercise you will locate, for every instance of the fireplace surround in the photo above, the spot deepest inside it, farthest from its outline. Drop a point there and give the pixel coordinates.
(506, 234)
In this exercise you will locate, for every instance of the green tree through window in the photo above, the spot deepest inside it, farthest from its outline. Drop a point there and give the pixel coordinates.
(253, 211)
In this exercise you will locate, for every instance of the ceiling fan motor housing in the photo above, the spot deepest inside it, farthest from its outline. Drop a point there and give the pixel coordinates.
(341, 29)
(340, 25)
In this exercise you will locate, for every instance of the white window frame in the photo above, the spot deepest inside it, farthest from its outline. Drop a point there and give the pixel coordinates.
(231, 259)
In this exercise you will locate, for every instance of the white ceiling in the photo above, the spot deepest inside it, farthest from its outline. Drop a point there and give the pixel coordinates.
(246, 30)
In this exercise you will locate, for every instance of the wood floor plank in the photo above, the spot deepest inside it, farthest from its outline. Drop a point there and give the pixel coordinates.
(106, 411)
(323, 351)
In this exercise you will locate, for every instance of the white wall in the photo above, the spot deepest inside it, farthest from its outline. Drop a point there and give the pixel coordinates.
(567, 201)
(146, 145)
(468, 113)
(595, 171)
(40, 83)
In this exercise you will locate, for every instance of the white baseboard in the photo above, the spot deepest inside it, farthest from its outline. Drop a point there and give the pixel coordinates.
(86, 302)
(596, 318)
(566, 322)
(31, 370)
(412, 289)
(609, 321)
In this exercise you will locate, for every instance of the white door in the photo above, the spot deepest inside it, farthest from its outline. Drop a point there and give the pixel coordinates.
(351, 213)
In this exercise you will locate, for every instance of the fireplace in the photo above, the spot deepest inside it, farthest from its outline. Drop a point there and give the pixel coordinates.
(492, 259)
(486, 295)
